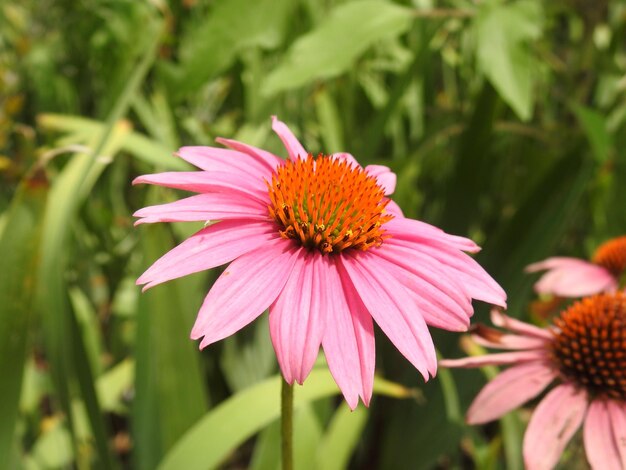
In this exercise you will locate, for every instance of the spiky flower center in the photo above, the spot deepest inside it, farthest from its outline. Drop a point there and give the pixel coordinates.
(612, 255)
(328, 204)
(590, 345)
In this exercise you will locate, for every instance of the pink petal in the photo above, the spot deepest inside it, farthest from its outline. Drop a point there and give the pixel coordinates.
(390, 305)
(504, 321)
(498, 359)
(349, 338)
(492, 338)
(476, 282)
(617, 413)
(555, 262)
(270, 160)
(437, 307)
(205, 181)
(210, 247)
(220, 159)
(600, 444)
(420, 232)
(386, 178)
(570, 277)
(245, 289)
(553, 423)
(394, 209)
(298, 316)
(345, 156)
(292, 144)
(205, 207)
(508, 390)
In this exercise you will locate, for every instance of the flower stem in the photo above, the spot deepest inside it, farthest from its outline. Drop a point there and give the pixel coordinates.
(286, 425)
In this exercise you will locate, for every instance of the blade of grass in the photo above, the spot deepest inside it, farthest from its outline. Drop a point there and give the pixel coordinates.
(19, 252)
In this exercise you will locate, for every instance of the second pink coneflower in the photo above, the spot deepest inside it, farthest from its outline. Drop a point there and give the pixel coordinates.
(318, 242)
(584, 352)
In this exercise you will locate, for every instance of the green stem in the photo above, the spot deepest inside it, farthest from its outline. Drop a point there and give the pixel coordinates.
(286, 425)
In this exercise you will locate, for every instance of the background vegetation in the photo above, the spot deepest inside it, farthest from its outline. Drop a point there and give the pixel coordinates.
(504, 120)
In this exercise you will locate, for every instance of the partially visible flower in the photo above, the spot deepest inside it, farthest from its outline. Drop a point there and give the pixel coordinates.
(573, 277)
(584, 351)
(318, 242)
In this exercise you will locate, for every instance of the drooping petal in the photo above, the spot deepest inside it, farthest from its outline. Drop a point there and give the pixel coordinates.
(270, 160)
(437, 307)
(221, 159)
(571, 277)
(345, 156)
(298, 317)
(504, 321)
(617, 413)
(386, 178)
(208, 181)
(210, 247)
(390, 305)
(476, 282)
(493, 338)
(245, 289)
(498, 359)
(421, 232)
(552, 425)
(292, 144)
(394, 209)
(600, 444)
(508, 390)
(349, 338)
(205, 207)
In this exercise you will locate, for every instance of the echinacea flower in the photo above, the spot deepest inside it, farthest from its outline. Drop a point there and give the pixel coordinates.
(317, 241)
(584, 351)
(573, 277)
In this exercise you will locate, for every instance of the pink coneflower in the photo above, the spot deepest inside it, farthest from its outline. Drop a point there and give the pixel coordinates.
(315, 240)
(573, 277)
(585, 352)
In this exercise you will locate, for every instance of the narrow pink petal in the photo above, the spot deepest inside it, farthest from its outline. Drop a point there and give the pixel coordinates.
(205, 181)
(498, 359)
(476, 282)
(552, 425)
(394, 209)
(577, 280)
(508, 390)
(349, 338)
(245, 289)
(298, 317)
(345, 156)
(205, 207)
(270, 160)
(504, 321)
(421, 232)
(600, 444)
(292, 144)
(386, 178)
(210, 247)
(617, 413)
(390, 305)
(555, 262)
(499, 340)
(221, 159)
(438, 309)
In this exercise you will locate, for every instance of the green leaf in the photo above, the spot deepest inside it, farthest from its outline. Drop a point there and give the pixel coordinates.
(503, 33)
(333, 47)
(19, 252)
(230, 27)
(169, 390)
(341, 438)
(594, 125)
(227, 426)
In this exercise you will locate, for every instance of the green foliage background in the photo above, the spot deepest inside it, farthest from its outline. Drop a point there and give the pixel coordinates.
(504, 120)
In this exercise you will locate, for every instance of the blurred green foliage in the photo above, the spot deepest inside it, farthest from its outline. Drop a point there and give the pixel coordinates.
(504, 120)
